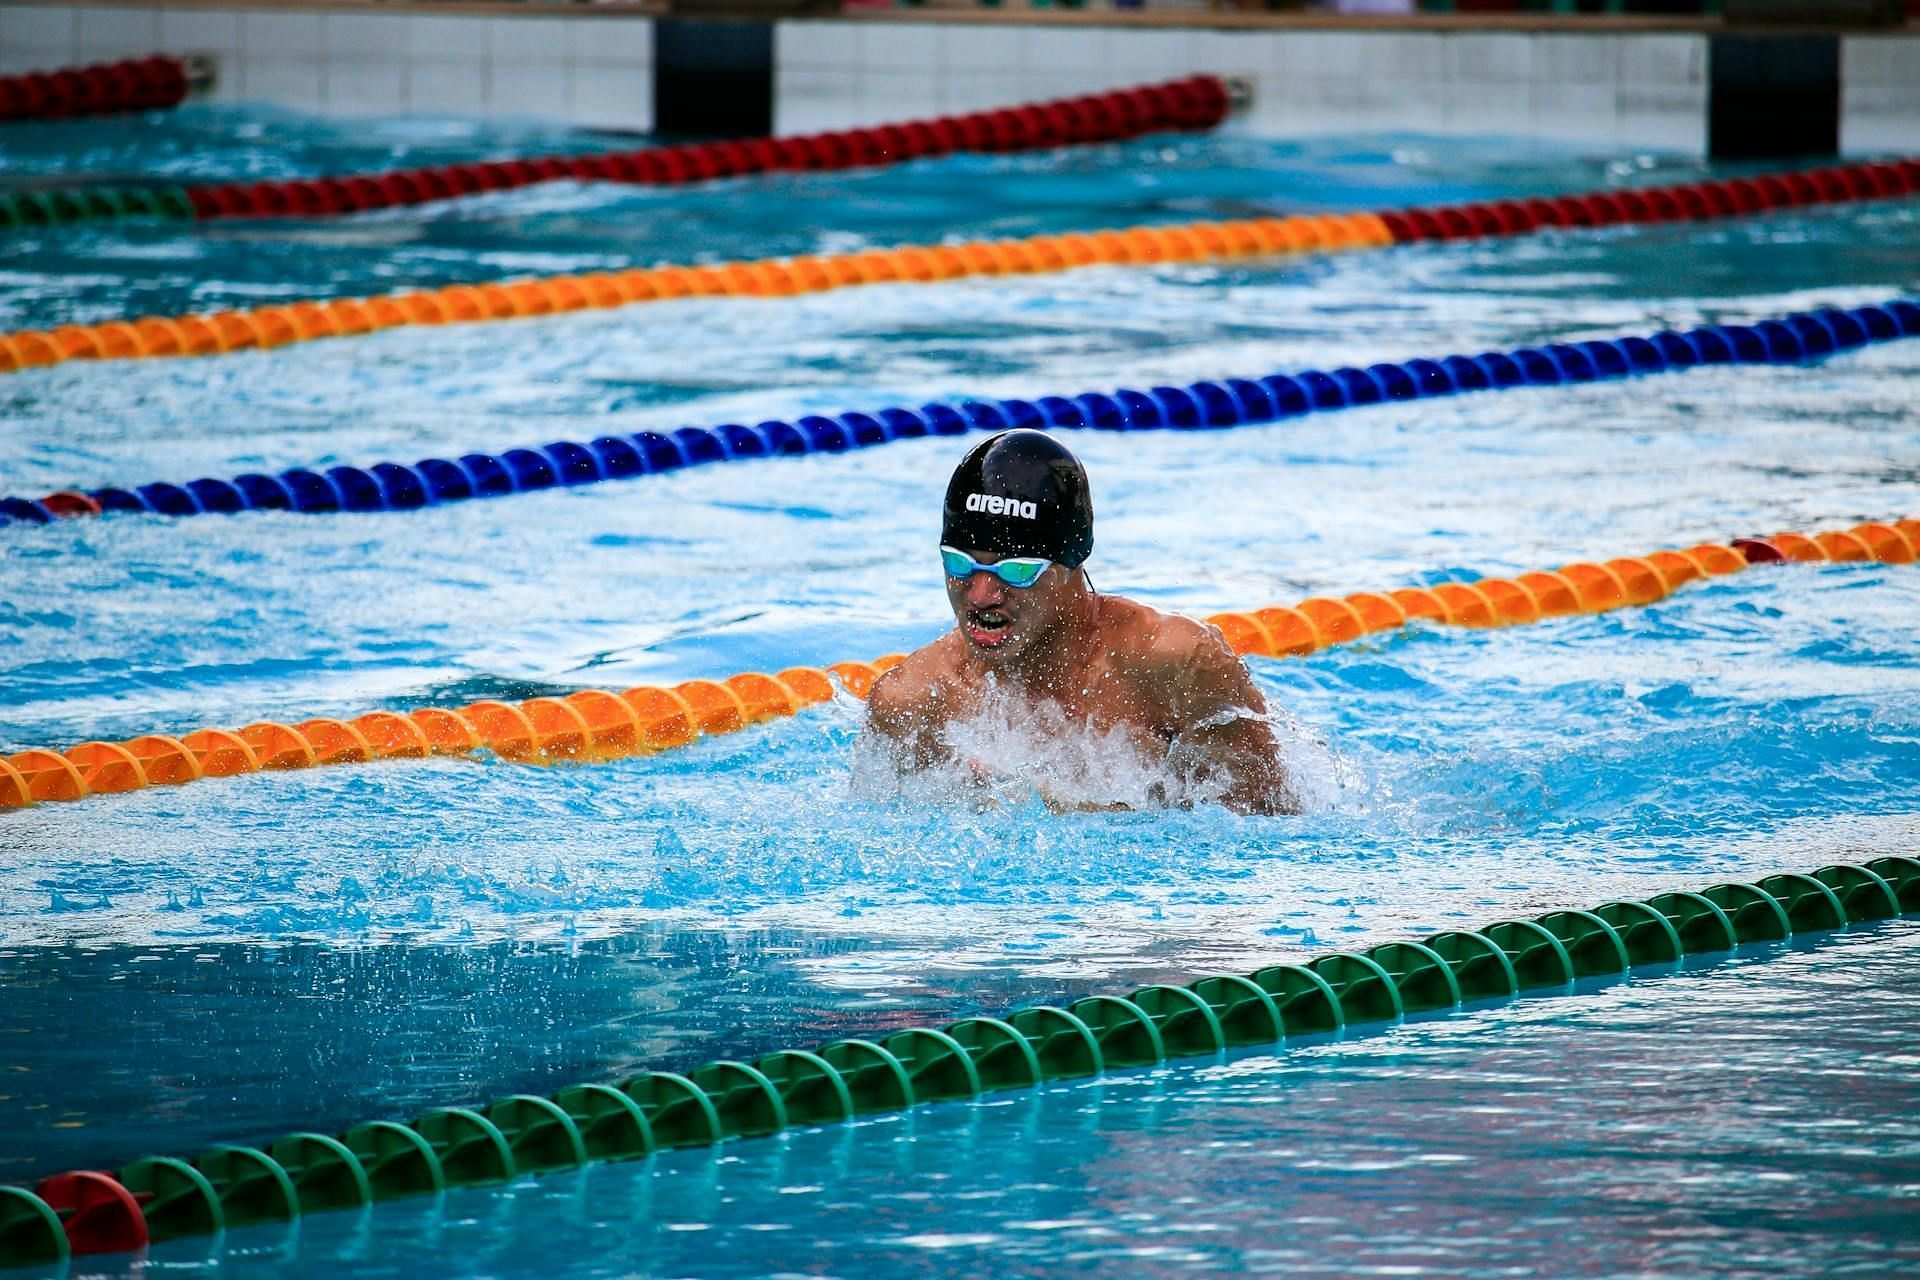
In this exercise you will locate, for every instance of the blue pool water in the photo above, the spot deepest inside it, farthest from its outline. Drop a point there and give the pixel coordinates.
(238, 958)
(1751, 1117)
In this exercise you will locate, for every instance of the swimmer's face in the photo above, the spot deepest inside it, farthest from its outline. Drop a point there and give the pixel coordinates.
(999, 622)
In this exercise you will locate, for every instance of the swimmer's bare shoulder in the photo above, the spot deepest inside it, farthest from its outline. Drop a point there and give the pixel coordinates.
(1209, 707)
(1166, 653)
(910, 703)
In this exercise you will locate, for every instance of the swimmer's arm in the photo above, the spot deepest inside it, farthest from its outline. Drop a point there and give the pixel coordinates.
(1221, 734)
(908, 713)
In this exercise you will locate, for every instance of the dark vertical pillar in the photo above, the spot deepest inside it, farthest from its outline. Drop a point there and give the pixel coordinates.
(713, 77)
(1773, 95)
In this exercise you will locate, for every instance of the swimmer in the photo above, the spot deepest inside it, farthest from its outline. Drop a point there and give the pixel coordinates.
(1030, 631)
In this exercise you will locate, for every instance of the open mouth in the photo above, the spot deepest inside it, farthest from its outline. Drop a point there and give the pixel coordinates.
(988, 627)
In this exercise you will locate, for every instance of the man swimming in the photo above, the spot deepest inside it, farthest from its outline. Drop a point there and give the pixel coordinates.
(1035, 644)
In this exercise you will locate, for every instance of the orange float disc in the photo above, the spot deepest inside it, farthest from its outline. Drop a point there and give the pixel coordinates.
(220, 754)
(1243, 635)
(393, 736)
(762, 697)
(107, 767)
(335, 741)
(278, 746)
(1467, 605)
(167, 762)
(1335, 621)
(664, 717)
(613, 732)
(1512, 602)
(1291, 631)
(562, 732)
(716, 708)
(810, 685)
(503, 730)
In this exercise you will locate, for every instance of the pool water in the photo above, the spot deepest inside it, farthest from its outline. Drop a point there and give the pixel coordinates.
(242, 957)
(1753, 1116)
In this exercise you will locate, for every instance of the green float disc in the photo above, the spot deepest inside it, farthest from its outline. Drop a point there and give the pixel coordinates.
(471, 1147)
(325, 1173)
(745, 1100)
(30, 1231)
(1065, 1046)
(1480, 968)
(612, 1126)
(1308, 1004)
(397, 1161)
(1001, 1055)
(875, 1079)
(811, 1089)
(542, 1137)
(176, 1198)
(1424, 980)
(252, 1186)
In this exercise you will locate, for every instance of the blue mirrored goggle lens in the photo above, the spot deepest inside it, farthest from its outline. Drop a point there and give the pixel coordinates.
(1019, 573)
(1022, 572)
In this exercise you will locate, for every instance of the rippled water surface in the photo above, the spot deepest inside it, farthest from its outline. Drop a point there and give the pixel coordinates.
(237, 958)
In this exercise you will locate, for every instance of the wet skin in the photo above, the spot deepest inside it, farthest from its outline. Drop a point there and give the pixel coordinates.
(1170, 684)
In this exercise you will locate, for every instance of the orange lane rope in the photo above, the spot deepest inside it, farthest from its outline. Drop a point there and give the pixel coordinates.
(594, 725)
(218, 332)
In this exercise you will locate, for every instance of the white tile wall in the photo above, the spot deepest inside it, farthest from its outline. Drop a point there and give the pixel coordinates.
(298, 83)
(611, 97)
(1575, 59)
(1642, 90)
(371, 88)
(1880, 93)
(1575, 112)
(380, 37)
(108, 33)
(1137, 57)
(965, 49)
(980, 91)
(532, 41)
(283, 35)
(446, 88)
(809, 101)
(1667, 61)
(200, 31)
(589, 70)
(454, 38)
(1639, 90)
(48, 31)
(521, 89)
(610, 43)
(1495, 57)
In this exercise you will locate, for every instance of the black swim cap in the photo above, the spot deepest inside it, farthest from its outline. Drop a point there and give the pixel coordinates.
(1020, 493)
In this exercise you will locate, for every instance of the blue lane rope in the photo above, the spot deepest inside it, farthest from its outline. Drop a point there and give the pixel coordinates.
(1799, 338)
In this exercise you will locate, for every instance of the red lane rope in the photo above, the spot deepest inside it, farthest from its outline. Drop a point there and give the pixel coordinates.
(1686, 202)
(1196, 103)
(137, 84)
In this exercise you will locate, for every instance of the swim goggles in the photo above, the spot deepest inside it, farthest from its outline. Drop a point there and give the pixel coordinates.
(1020, 571)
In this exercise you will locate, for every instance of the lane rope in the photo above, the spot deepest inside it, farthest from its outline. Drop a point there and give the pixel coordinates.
(595, 725)
(1226, 402)
(220, 332)
(1193, 104)
(161, 1197)
(104, 88)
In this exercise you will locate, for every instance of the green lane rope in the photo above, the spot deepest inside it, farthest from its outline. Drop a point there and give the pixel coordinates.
(660, 1110)
(60, 208)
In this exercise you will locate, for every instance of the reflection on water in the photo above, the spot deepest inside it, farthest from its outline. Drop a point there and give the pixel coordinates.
(1753, 1115)
(109, 1052)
